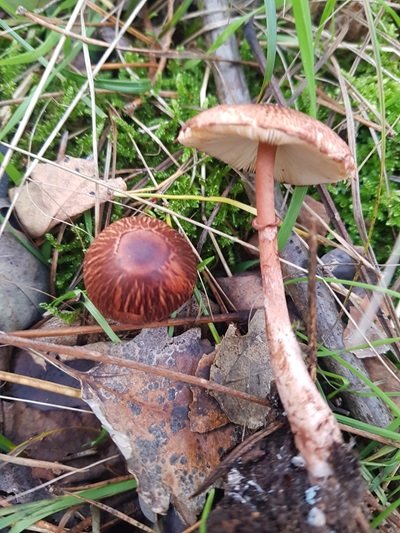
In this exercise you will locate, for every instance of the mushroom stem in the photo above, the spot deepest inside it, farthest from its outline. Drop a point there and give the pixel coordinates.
(312, 422)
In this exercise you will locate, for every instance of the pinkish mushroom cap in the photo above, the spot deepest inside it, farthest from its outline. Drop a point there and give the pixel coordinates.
(308, 152)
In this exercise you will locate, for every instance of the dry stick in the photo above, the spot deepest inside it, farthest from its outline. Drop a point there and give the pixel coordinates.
(149, 51)
(41, 384)
(230, 82)
(313, 425)
(239, 316)
(333, 212)
(36, 463)
(107, 508)
(312, 299)
(82, 353)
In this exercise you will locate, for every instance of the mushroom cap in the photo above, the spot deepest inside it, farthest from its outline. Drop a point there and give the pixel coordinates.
(308, 152)
(139, 269)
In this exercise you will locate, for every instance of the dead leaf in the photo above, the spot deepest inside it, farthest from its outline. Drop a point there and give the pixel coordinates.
(205, 413)
(386, 377)
(374, 332)
(243, 290)
(54, 195)
(147, 417)
(308, 218)
(54, 429)
(243, 364)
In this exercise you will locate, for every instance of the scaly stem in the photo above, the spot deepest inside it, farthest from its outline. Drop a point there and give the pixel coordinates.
(313, 425)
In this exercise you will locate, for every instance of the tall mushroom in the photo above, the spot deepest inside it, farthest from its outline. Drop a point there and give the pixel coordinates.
(139, 269)
(293, 148)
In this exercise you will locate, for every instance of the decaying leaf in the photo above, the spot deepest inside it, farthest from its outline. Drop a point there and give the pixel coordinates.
(384, 374)
(310, 218)
(375, 332)
(205, 413)
(147, 417)
(54, 195)
(52, 435)
(242, 363)
(243, 290)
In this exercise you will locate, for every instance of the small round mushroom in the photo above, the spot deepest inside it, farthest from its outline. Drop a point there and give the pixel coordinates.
(139, 269)
(293, 148)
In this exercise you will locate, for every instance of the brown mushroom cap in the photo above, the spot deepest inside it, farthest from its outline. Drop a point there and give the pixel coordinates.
(139, 269)
(308, 152)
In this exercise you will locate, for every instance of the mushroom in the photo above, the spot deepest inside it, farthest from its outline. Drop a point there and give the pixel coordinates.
(139, 269)
(293, 148)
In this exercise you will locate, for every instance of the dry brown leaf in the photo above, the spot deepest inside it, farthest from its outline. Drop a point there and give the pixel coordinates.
(205, 413)
(243, 290)
(147, 417)
(386, 377)
(375, 332)
(23, 422)
(54, 195)
(243, 364)
(308, 219)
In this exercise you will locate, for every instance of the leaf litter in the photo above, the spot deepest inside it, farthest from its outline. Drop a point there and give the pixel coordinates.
(148, 418)
(56, 194)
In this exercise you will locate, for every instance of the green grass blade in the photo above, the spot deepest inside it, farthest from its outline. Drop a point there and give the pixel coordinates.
(213, 199)
(377, 521)
(376, 288)
(326, 13)
(382, 110)
(5, 444)
(20, 40)
(231, 29)
(176, 17)
(122, 86)
(302, 16)
(12, 171)
(270, 15)
(206, 511)
(291, 216)
(20, 237)
(34, 55)
(9, 7)
(363, 426)
(21, 517)
(102, 322)
(390, 11)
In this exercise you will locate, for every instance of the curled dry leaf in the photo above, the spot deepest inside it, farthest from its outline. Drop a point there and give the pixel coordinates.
(205, 413)
(54, 195)
(241, 363)
(147, 417)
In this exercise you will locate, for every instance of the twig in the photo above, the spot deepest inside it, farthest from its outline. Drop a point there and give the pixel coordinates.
(82, 353)
(36, 463)
(239, 316)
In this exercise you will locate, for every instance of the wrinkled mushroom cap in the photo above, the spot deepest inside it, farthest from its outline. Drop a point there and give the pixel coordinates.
(308, 152)
(139, 269)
